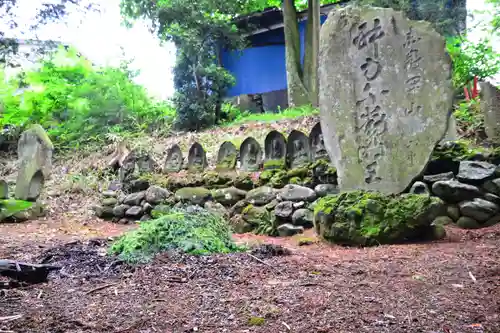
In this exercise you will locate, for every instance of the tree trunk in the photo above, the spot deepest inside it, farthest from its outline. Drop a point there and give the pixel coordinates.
(297, 93)
(311, 60)
(20, 271)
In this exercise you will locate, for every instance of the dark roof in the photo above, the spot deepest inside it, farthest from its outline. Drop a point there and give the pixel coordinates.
(272, 18)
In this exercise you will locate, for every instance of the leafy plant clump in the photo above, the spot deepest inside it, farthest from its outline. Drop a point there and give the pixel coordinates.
(78, 103)
(196, 232)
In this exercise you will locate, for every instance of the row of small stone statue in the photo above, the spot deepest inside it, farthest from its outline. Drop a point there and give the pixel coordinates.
(296, 150)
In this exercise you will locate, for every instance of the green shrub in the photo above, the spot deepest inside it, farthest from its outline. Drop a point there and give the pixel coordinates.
(472, 58)
(194, 232)
(78, 103)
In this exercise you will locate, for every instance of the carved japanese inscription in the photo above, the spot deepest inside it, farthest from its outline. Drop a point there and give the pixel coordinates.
(385, 96)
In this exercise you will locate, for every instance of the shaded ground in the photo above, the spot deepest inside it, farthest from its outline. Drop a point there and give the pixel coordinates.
(450, 286)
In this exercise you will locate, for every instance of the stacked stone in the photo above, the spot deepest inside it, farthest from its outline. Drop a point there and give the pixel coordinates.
(472, 195)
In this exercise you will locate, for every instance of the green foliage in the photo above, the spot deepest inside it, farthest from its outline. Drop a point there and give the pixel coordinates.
(495, 14)
(470, 118)
(199, 29)
(10, 207)
(290, 113)
(197, 232)
(472, 58)
(447, 20)
(267, 224)
(78, 103)
(256, 321)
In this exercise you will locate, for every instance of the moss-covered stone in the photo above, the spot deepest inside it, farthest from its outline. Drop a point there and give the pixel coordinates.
(324, 172)
(278, 164)
(266, 176)
(195, 195)
(295, 180)
(228, 196)
(213, 178)
(16, 209)
(244, 182)
(371, 218)
(299, 172)
(253, 215)
(279, 179)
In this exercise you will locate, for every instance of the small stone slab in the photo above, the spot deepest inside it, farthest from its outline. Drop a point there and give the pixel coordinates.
(275, 151)
(250, 155)
(35, 156)
(385, 96)
(197, 159)
(4, 189)
(227, 156)
(490, 107)
(174, 159)
(298, 149)
(317, 144)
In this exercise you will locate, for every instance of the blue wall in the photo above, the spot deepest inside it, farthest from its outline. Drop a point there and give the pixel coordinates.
(261, 69)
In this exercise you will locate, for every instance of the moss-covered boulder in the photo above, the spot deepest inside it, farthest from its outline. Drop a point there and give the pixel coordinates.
(239, 225)
(244, 182)
(261, 195)
(228, 196)
(18, 210)
(214, 178)
(371, 218)
(194, 195)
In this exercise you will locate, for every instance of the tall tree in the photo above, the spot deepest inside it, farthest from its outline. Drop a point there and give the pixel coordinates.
(199, 29)
(302, 77)
(46, 12)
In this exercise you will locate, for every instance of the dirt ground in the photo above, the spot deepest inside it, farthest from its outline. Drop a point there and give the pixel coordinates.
(452, 286)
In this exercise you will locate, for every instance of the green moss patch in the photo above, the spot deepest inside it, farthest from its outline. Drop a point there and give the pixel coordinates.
(278, 164)
(195, 232)
(11, 208)
(371, 218)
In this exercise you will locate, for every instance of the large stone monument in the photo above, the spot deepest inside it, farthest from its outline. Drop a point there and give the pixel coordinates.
(34, 150)
(250, 155)
(197, 158)
(490, 106)
(385, 96)
(174, 159)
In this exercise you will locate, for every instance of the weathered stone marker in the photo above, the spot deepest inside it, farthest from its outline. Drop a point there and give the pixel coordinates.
(174, 159)
(298, 149)
(385, 96)
(4, 189)
(34, 150)
(275, 151)
(317, 144)
(227, 156)
(250, 155)
(197, 158)
(490, 105)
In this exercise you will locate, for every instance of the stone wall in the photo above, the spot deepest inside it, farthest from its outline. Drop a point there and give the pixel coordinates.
(281, 179)
(250, 184)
